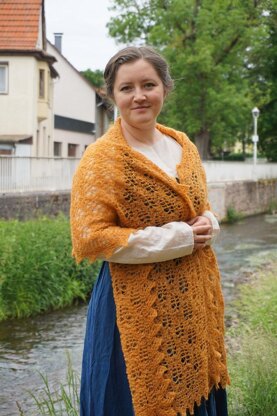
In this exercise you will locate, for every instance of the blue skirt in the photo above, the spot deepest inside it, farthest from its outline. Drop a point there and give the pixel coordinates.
(105, 389)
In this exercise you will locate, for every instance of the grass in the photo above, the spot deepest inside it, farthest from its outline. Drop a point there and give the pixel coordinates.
(233, 216)
(273, 207)
(60, 401)
(37, 271)
(253, 346)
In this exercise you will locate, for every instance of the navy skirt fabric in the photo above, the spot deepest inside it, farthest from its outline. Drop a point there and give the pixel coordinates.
(104, 385)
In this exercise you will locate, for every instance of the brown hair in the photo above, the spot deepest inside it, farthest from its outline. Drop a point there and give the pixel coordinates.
(131, 54)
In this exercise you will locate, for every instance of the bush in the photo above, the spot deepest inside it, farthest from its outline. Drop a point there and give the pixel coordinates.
(270, 148)
(38, 272)
(231, 157)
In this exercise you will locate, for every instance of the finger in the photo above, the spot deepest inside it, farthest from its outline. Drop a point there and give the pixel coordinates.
(192, 221)
(202, 239)
(202, 229)
(199, 220)
(199, 246)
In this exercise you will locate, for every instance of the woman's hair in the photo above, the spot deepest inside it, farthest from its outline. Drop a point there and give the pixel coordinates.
(132, 54)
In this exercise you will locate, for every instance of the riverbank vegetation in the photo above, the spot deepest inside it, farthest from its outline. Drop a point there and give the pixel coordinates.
(63, 400)
(252, 344)
(252, 340)
(233, 215)
(38, 272)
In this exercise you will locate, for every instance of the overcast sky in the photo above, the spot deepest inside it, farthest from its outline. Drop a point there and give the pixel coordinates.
(85, 37)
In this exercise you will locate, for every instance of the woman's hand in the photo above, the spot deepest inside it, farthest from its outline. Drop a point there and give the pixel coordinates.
(202, 231)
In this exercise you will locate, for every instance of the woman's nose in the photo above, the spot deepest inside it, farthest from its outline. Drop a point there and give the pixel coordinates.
(139, 95)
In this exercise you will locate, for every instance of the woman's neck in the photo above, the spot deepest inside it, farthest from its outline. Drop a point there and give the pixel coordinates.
(134, 135)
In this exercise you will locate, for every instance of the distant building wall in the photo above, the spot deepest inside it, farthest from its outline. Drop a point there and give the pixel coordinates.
(73, 96)
(249, 198)
(23, 112)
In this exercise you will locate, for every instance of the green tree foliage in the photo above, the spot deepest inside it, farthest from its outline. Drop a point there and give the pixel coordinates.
(266, 69)
(211, 47)
(94, 77)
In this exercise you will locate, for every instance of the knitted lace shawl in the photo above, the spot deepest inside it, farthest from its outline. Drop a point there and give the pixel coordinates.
(169, 314)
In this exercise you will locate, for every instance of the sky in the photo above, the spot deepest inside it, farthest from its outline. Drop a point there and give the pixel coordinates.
(85, 41)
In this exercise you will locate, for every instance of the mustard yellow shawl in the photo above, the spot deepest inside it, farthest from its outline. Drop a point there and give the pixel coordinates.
(169, 314)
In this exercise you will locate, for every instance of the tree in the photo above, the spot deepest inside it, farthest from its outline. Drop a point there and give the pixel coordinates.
(208, 45)
(266, 87)
(94, 77)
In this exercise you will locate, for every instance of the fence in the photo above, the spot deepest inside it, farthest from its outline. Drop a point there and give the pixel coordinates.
(28, 174)
(239, 171)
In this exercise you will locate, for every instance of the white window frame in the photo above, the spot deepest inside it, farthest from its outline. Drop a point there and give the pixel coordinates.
(5, 65)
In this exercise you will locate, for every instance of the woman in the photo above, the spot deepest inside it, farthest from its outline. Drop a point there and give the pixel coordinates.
(154, 342)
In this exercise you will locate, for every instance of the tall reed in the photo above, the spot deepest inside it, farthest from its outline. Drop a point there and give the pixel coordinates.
(59, 401)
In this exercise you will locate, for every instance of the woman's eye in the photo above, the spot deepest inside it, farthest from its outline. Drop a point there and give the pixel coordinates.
(125, 88)
(149, 85)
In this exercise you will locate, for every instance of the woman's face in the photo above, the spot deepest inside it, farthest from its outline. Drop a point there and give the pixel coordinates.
(138, 93)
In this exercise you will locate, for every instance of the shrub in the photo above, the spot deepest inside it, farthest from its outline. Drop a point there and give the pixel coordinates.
(38, 272)
(231, 157)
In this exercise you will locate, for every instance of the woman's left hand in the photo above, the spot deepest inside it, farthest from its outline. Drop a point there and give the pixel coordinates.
(199, 220)
(202, 230)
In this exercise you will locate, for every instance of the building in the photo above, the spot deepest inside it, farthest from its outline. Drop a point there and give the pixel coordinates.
(81, 114)
(26, 80)
(47, 108)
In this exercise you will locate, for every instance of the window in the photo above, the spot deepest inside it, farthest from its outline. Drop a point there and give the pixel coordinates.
(41, 83)
(57, 148)
(72, 150)
(6, 151)
(3, 78)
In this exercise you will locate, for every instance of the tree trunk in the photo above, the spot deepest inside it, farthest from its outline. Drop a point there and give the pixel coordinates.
(202, 141)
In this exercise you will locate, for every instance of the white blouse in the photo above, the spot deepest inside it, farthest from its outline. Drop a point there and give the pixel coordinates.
(172, 240)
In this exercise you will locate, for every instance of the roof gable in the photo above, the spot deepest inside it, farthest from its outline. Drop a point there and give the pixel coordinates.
(20, 21)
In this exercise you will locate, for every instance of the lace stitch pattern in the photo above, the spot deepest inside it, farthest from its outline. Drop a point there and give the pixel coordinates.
(169, 314)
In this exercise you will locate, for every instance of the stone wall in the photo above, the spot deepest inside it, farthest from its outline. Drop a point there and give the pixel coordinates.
(247, 197)
(24, 206)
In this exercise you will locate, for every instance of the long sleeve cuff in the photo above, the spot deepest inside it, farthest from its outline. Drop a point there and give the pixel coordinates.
(156, 244)
(215, 226)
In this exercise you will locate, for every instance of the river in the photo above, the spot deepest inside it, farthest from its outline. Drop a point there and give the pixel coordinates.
(30, 346)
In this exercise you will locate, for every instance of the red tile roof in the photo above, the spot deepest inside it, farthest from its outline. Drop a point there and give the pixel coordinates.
(19, 24)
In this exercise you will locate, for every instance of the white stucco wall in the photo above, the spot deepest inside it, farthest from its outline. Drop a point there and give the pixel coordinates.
(19, 108)
(66, 137)
(73, 96)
